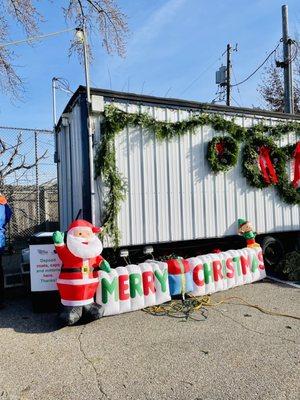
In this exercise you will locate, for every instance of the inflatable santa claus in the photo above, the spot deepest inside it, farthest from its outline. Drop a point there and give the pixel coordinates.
(78, 278)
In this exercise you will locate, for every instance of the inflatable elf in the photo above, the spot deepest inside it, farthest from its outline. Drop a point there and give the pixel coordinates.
(78, 278)
(246, 230)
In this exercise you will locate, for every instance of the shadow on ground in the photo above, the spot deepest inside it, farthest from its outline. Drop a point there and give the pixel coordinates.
(17, 314)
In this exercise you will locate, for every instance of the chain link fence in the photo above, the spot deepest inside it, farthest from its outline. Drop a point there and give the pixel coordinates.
(28, 179)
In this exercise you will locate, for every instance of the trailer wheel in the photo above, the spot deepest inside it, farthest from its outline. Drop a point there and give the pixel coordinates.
(273, 251)
(297, 244)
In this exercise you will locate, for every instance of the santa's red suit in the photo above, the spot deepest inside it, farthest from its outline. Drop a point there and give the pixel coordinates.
(79, 272)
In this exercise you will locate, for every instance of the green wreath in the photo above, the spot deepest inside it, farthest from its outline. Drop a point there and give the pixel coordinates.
(279, 157)
(289, 150)
(251, 169)
(287, 191)
(222, 153)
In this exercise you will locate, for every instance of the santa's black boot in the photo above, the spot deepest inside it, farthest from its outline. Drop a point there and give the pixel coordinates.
(69, 315)
(93, 311)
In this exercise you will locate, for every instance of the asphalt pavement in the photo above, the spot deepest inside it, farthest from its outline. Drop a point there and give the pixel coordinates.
(236, 353)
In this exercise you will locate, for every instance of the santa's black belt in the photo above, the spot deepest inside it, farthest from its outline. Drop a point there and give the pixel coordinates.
(72, 270)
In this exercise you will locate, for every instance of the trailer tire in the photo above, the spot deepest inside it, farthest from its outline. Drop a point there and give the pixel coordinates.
(273, 251)
(297, 243)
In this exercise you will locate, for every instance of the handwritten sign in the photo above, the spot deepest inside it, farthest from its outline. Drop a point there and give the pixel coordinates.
(44, 267)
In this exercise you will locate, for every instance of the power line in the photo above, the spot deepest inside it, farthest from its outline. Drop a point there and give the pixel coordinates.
(235, 101)
(263, 63)
(237, 88)
(34, 38)
(168, 91)
(202, 73)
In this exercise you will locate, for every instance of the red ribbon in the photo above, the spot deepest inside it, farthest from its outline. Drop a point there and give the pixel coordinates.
(266, 166)
(296, 155)
(220, 147)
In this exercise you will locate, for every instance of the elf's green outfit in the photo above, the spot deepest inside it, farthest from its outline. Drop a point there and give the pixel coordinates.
(245, 229)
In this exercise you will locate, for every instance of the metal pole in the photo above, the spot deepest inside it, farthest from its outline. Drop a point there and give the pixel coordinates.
(86, 67)
(288, 70)
(90, 133)
(54, 102)
(37, 186)
(228, 80)
(56, 150)
(54, 80)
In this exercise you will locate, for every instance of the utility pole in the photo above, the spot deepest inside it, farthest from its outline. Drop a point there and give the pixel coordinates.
(228, 75)
(287, 64)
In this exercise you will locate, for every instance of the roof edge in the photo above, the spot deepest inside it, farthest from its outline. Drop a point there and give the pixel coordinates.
(173, 102)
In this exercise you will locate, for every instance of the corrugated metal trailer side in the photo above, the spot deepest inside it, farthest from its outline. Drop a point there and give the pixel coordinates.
(172, 194)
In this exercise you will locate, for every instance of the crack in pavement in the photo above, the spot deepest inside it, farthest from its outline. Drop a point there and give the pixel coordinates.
(99, 385)
(254, 330)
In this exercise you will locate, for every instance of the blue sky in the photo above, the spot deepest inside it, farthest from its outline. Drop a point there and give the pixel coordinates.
(173, 50)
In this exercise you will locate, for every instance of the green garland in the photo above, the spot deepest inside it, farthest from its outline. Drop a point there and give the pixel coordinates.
(115, 120)
(225, 160)
(112, 180)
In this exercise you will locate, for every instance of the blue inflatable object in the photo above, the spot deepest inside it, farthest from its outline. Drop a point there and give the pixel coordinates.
(5, 215)
(176, 283)
(180, 276)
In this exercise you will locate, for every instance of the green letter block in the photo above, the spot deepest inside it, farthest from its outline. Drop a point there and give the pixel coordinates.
(109, 287)
(162, 278)
(208, 272)
(135, 283)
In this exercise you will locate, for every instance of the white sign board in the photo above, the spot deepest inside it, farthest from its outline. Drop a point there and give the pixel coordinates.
(44, 267)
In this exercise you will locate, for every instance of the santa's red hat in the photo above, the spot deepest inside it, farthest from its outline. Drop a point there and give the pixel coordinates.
(81, 223)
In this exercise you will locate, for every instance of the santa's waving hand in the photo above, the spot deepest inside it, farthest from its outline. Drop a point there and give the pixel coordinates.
(78, 278)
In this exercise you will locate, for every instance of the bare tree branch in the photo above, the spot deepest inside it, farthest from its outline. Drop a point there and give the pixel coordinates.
(13, 155)
(25, 166)
(2, 147)
(11, 165)
(110, 21)
(26, 15)
(271, 87)
(102, 17)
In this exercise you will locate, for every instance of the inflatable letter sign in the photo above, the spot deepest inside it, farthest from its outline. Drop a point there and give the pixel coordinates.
(133, 287)
(221, 271)
(137, 286)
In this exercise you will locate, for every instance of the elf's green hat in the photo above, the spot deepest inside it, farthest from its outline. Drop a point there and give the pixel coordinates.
(241, 222)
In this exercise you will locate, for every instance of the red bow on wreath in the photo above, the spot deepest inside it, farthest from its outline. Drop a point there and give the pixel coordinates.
(266, 166)
(220, 148)
(296, 155)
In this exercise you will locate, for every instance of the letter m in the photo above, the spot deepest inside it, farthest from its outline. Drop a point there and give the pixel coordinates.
(109, 288)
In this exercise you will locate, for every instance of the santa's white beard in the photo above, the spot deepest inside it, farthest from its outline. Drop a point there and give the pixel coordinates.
(93, 248)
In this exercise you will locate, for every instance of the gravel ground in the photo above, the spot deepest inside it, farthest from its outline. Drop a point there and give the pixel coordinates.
(237, 353)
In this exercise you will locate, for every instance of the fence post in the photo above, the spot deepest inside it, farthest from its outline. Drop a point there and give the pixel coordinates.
(37, 187)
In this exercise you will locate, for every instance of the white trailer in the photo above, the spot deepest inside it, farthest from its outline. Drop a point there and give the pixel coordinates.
(172, 195)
